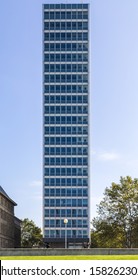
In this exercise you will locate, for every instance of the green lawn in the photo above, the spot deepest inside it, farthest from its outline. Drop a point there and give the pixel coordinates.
(92, 257)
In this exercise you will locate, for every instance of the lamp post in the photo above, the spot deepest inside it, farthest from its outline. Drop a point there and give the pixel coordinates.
(65, 222)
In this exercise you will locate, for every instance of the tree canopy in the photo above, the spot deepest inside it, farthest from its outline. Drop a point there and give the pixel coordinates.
(117, 222)
(30, 234)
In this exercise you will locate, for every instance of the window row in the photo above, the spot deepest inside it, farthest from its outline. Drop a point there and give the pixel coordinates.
(66, 130)
(66, 140)
(66, 161)
(65, 109)
(65, 47)
(63, 57)
(66, 68)
(66, 120)
(65, 89)
(66, 202)
(70, 233)
(68, 25)
(66, 213)
(66, 192)
(66, 36)
(66, 151)
(66, 78)
(66, 15)
(68, 182)
(60, 223)
(65, 6)
(65, 99)
(66, 171)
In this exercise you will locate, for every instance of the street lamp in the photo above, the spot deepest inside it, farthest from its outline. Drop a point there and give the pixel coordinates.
(65, 222)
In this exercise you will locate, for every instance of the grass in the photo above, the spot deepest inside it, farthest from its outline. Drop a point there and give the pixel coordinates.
(91, 257)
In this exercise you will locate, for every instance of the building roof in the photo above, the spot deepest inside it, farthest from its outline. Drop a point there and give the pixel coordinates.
(5, 194)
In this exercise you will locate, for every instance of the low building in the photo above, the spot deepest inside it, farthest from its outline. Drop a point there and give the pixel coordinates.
(10, 231)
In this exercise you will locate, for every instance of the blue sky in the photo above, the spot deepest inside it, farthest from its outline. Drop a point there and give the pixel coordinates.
(114, 99)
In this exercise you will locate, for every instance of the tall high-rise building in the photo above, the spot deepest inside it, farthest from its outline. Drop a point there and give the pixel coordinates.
(65, 125)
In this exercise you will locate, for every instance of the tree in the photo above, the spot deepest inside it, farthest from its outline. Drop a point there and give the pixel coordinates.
(117, 222)
(30, 234)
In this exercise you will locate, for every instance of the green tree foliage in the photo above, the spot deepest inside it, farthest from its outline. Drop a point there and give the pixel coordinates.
(30, 234)
(117, 222)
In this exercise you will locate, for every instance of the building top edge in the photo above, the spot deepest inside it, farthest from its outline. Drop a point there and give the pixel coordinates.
(66, 6)
(2, 192)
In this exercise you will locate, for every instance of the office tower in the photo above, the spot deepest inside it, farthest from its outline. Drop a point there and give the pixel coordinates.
(65, 103)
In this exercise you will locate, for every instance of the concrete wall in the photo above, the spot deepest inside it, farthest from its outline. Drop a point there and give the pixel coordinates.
(63, 252)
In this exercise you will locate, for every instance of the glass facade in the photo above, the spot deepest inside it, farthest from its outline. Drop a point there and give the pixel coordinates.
(65, 124)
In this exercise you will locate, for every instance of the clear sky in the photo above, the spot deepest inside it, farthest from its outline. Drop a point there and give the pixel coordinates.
(114, 99)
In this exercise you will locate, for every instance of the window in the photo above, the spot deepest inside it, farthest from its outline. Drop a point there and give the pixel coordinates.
(74, 14)
(79, 202)
(79, 192)
(68, 182)
(62, 67)
(57, 67)
(85, 25)
(57, 57)
(46, 36)
(57, 78)
(46, 192)
(68, 25)
(46, 223)
(80, 36)
(52, 36)
(46, 6)
(74, 67)
(74, 47)
(68, 15)
(79, 67)
(51, 15)
(57, 35)
(79, 161)
(74, 109)
(68, 213)
(57, 15)
(68, 6)
(79, 25)
(52, 78)
(62, 15)
(68, 202)
(52, 223)
(57, 47)
(63, 161)
(57, 130)
(62, 47)
(74, 36)
(85, 15)
(46, 15)
(68, 47)
(51, 57)
(79, 15)
(74, 25)
(46, 67)
(57, 161)
(68, 36)
(63, 57)
(85, 36)
(63, 36)
(51, 68)
(46, 25)
(63, 25)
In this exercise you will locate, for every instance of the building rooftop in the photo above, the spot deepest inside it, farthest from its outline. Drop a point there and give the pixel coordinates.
(5, 194)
